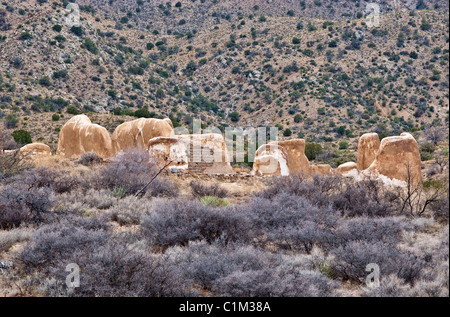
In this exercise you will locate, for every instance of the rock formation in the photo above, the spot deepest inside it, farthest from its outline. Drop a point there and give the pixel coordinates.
(79, 135)
(138, 132)
(368, 146)
(271, 159)
(398, 158)
(198, 153)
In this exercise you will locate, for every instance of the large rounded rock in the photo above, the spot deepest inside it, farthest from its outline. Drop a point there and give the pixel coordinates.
(137, 133)
(368, 147)
(271, 159)
(398, 159)
(79, 135)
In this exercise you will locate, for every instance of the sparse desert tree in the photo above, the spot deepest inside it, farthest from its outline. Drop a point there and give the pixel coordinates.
(441, 160)
(435, 134)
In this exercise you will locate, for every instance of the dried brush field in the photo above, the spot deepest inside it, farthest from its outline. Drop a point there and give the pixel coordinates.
(190, 235)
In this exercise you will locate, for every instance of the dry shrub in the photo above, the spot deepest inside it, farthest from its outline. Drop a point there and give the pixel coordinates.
(110, 265)
(61, 181)
(176, 222)
(132, 170)
(12, 164)
(89, 159)
(365, 198)
(200, 189)
(19, 204)
(11, 237)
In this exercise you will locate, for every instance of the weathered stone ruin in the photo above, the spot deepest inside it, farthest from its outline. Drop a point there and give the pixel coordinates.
(35, 150)
(321, 169)
(395, 158)
(137, 133)
(368, 147)
(284, 158)
(346, 168)
(295, 150)
(197, 153)
(398, 158)
(79, 135)
(271, 159)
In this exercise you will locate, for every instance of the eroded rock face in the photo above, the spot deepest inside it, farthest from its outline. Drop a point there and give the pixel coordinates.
(198, 153)
(35, 150)
(295, 150)
(271, 159)
(398, 159)
(346, 167)
(138, 132)
(368, 146)
(79, 135)
(321, 169)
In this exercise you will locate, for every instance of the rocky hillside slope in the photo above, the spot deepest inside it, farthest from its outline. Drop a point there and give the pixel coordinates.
(317, 76)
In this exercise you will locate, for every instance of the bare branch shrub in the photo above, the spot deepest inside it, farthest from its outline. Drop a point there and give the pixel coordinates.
(11, 164)
(110, 265)
(435, 134)
(132, 170)
(21, 205)
(352, 258)
(60, 181)
(417, 198)
(7, 141)
(89, 159)
(177, 222)
(200, 189)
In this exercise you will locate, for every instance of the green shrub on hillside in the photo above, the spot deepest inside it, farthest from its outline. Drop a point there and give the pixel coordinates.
(22, 137)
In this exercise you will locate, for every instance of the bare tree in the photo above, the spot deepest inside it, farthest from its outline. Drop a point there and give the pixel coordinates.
(6, 141)
(441, 160)
(417, 197)
(411, 192)
(435, 134)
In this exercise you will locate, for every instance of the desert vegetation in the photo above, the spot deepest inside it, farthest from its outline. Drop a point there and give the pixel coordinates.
(299, 236)
(316, 72)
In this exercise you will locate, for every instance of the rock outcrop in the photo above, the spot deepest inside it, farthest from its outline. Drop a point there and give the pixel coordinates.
(368, 146)
(197, 153)
(295, 150)
(137, 133)
(79, 135)
(271, 159)
(398, 158)
(35, 150)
